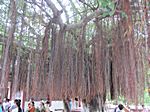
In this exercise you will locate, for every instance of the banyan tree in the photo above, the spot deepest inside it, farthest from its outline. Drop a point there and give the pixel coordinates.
(92, 49)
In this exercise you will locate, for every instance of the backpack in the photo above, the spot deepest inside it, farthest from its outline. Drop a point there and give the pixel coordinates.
(115, 109)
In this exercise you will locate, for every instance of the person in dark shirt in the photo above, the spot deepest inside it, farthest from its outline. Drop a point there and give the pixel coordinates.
(119, 108)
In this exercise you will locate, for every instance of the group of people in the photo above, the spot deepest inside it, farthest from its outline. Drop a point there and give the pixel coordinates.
(7, 106)
(15, 106)
(72, 104)
(121, 107)
(43, 107)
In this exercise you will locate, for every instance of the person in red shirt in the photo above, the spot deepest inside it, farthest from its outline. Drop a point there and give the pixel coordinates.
(31, 107)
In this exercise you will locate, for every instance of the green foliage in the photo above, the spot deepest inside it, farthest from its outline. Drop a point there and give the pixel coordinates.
(105, 14)
(121, 99)
(146, 99)
(2, 29)
(1, 50)
(20, 4)
(148, 72)
(104, 3)
(124, 15)
(109, 6)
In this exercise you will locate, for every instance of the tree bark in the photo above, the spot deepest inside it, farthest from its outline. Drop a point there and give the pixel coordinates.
(17, 63)
(10, 38)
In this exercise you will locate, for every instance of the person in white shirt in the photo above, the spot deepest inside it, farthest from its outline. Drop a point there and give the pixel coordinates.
(17, 106)
(6, 105)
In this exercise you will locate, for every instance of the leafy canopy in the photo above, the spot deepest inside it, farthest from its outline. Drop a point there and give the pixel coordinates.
(109, 5)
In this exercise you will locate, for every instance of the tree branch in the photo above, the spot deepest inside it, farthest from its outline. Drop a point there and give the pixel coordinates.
(56, 13)
(47, 14)
(85, 20)
(58, 20)
(74, 7)
(64, 9)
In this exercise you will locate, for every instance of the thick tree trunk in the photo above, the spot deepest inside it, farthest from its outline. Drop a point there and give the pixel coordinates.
(16, 75)
(17, 63)
(6, 66)
(35, 79)
(28, 77)
(147, 16)
(44, 60)
(51, 61)
(129, 51)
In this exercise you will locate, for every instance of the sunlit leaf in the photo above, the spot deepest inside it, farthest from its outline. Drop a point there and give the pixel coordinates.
(124, 15)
